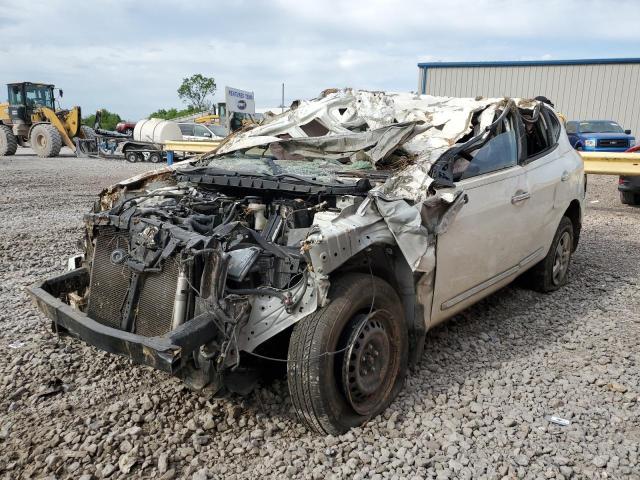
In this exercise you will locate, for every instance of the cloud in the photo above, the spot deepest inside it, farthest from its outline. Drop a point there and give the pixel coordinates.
(129, 56)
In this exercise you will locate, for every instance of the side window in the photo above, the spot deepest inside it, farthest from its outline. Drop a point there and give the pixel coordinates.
(572, 127)
(498, 153)
(554, 126)
(200, 131)
(536, 132)
(186, 129)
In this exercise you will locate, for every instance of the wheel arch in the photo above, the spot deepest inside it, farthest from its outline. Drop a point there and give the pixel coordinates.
(574, 213)
(387, 262)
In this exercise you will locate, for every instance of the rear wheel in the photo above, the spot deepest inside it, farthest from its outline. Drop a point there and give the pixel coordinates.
(132, 157)
(348, 360)
(8, 142)
(551, 273)
(155, 158)
(630, 198)
(46, 140)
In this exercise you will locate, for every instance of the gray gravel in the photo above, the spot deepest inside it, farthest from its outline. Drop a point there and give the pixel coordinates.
(475, 407)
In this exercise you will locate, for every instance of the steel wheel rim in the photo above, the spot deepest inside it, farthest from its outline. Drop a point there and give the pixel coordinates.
(367, 364)
(41, 140)
(561, 258)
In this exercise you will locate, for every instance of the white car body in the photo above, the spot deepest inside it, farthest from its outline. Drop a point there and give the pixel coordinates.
(199, 132)
(506, 227)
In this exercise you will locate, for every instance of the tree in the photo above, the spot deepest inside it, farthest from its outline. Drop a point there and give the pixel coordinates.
(172, 113)
(197, 91)
(108, 121)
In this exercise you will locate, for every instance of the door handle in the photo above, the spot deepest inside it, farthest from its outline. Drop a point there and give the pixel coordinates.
(565, 176)
(520, 196)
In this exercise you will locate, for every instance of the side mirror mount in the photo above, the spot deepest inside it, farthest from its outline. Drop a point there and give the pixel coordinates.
(628, 132)
(60, 93)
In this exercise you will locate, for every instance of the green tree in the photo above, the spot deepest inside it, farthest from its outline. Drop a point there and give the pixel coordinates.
(107, 122)
(197, 91)
(172, 113)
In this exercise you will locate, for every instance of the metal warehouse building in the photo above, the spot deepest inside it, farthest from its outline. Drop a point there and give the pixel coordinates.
(607, 88)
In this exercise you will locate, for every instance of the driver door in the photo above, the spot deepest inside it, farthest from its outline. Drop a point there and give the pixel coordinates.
(484, 246)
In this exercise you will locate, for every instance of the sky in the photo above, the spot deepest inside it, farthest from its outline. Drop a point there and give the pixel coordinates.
(131, 56)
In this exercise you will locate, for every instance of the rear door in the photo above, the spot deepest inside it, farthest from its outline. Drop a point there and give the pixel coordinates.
(547, 168)
(483, 247)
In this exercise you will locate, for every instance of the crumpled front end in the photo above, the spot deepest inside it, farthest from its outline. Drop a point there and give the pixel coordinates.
(191, 273)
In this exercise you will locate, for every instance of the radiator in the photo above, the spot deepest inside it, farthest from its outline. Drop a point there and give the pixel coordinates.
(155, 303)
(109, 283)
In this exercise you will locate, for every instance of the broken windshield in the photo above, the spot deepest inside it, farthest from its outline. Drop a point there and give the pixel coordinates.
(259, 161)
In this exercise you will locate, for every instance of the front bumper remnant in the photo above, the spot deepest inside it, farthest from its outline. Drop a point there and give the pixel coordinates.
(166, 352)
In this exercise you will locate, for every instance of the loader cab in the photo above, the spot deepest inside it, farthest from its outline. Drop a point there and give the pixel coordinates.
(26, 97)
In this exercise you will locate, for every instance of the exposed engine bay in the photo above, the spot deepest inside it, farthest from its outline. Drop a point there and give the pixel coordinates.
(202, 242)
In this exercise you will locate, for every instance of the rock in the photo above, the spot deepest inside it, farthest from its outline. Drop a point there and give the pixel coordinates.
(133, 431)
(125, 446)
(600, 461)
(617, 387)
(509, 422)
(168, 475)
(522, 460)
(128, 460)
(163, 462)
(200, 474)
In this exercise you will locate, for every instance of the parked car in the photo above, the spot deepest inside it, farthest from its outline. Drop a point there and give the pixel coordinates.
(629, 186)
(599, 136)
(125, 127)
(331, 239)
(198, 131)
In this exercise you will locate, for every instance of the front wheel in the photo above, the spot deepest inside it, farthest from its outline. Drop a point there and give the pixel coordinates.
(551, 272)
(347, 361)
(630, 198)
(46, 141)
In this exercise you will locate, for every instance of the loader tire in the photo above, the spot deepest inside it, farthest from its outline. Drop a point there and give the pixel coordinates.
(87, 132)
(8, 142)
(46, 140)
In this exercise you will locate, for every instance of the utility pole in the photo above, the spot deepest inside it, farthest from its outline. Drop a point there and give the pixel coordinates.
(282, 103)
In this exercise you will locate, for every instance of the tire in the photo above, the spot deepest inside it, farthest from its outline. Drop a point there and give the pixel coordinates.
(323, 392)
(45, 140)
(551, 273)
(132, 157)
(87, 132)
(629, 198)
(155, 158)
(8, 142)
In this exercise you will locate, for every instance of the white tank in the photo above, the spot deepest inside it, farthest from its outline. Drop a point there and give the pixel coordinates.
(156, 130)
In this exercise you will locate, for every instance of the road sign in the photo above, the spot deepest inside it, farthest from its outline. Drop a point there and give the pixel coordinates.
(239, 100)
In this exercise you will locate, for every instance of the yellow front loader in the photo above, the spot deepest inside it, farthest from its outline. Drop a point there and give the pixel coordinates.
(30, 119)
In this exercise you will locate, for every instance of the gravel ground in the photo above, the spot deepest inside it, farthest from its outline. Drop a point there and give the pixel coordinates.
(475, 407)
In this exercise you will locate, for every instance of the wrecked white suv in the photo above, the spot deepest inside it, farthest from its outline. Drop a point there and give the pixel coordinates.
(331, 237)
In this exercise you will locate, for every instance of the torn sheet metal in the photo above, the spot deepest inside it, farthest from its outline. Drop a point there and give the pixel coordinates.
(354, 125)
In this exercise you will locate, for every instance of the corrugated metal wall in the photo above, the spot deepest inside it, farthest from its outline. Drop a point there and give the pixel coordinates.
(607, 91)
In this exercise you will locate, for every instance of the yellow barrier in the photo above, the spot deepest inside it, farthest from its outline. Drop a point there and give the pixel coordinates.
(186, 146)
(611, 163)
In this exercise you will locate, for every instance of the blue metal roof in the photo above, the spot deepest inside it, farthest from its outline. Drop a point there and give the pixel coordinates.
(530, 63)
